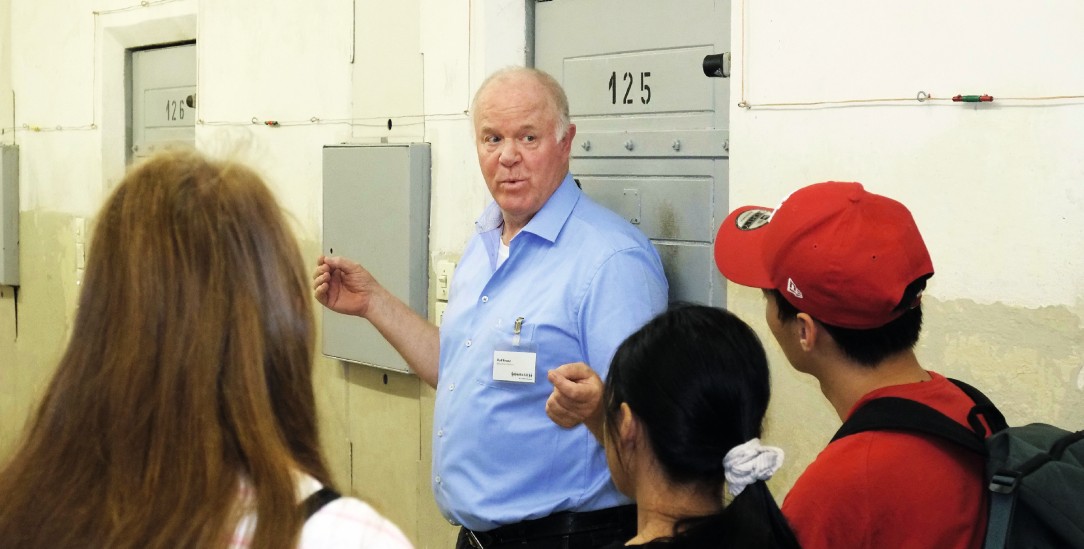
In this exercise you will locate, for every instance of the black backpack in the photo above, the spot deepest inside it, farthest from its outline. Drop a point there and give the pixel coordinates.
(1035, 472)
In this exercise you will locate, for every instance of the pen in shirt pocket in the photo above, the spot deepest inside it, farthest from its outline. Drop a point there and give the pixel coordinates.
(516, 329)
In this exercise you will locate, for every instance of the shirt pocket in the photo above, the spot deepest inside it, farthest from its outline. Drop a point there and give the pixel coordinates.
(503, 337)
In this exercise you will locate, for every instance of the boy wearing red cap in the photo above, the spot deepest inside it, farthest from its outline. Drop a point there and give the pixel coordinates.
(843, 272)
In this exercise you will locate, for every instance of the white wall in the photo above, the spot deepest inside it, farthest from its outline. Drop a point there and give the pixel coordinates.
(996, 186)
(7, 125)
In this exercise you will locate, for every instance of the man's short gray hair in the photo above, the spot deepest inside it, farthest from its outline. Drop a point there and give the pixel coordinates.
(556, 94)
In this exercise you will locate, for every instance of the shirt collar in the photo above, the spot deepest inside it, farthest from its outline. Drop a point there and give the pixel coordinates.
(548, 221)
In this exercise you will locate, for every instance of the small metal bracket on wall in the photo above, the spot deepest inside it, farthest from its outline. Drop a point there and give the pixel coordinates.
(630, 205)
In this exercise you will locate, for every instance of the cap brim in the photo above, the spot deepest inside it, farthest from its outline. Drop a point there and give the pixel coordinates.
(739, 252)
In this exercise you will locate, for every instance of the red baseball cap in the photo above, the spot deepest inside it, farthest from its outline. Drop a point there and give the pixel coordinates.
(841, 254)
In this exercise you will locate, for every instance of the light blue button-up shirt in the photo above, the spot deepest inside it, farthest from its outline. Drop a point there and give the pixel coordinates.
(583, 279)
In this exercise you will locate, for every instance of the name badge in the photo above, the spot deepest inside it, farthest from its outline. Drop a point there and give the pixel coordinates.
(514, 366)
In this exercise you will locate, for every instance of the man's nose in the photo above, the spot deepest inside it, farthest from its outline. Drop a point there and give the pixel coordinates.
(509, 152)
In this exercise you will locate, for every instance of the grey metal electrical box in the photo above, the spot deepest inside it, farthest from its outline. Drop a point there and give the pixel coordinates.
(9, 215)
(376, 212)
(652, 139)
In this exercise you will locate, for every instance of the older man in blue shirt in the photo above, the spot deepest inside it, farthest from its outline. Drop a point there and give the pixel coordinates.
(551, 278)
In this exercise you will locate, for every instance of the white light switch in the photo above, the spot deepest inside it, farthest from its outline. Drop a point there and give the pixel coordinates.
(444, 270)
(79, 229)
(438, 312)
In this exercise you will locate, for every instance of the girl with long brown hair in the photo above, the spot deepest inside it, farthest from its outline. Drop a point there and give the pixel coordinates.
(182, 412)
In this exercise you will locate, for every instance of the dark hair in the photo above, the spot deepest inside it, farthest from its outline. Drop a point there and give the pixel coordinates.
(871, 347)
(697, 378)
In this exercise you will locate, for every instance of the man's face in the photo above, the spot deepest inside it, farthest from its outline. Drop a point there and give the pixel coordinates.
(521, 160)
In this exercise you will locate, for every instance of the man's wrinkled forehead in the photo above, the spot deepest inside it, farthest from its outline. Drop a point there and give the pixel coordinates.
(532, 94)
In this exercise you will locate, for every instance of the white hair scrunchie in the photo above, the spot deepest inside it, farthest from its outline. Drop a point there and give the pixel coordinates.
(749, 462)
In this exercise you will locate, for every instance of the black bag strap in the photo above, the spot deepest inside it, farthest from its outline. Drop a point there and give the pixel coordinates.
(901, 414)
(895, 413)
(983, 408)
(318, 500)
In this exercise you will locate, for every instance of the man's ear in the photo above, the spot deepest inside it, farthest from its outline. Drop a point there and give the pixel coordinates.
(566, 141)
(808, 331)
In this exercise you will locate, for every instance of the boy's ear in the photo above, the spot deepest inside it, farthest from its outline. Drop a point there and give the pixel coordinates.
(808, 331)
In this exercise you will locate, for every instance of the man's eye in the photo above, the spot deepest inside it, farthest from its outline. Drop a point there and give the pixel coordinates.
(492, 139)
(529, 138)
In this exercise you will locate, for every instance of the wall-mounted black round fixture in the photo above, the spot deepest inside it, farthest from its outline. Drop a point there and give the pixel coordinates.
(717, 65)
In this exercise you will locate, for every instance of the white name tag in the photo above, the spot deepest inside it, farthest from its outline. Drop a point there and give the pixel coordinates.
(513, 366)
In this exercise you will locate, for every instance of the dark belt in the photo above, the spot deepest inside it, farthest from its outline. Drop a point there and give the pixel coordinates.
(555, 525)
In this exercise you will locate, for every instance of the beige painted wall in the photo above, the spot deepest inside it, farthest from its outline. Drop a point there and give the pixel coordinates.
(45, 300)
(996, 188)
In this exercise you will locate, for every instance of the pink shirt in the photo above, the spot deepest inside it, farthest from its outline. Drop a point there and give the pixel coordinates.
(343, 523)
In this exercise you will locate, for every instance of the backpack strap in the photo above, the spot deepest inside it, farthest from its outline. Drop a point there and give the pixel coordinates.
(1002, 491)
(983, 408)
(318, 500)
(896, 413)
(901, 414)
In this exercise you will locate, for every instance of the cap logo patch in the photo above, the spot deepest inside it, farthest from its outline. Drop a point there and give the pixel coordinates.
(753, 219)
(793, 288)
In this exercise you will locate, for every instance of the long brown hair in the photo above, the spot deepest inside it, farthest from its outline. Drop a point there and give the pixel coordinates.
(188, 369)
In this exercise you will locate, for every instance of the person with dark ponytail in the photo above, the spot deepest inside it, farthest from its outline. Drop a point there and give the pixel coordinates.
(680, 418)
